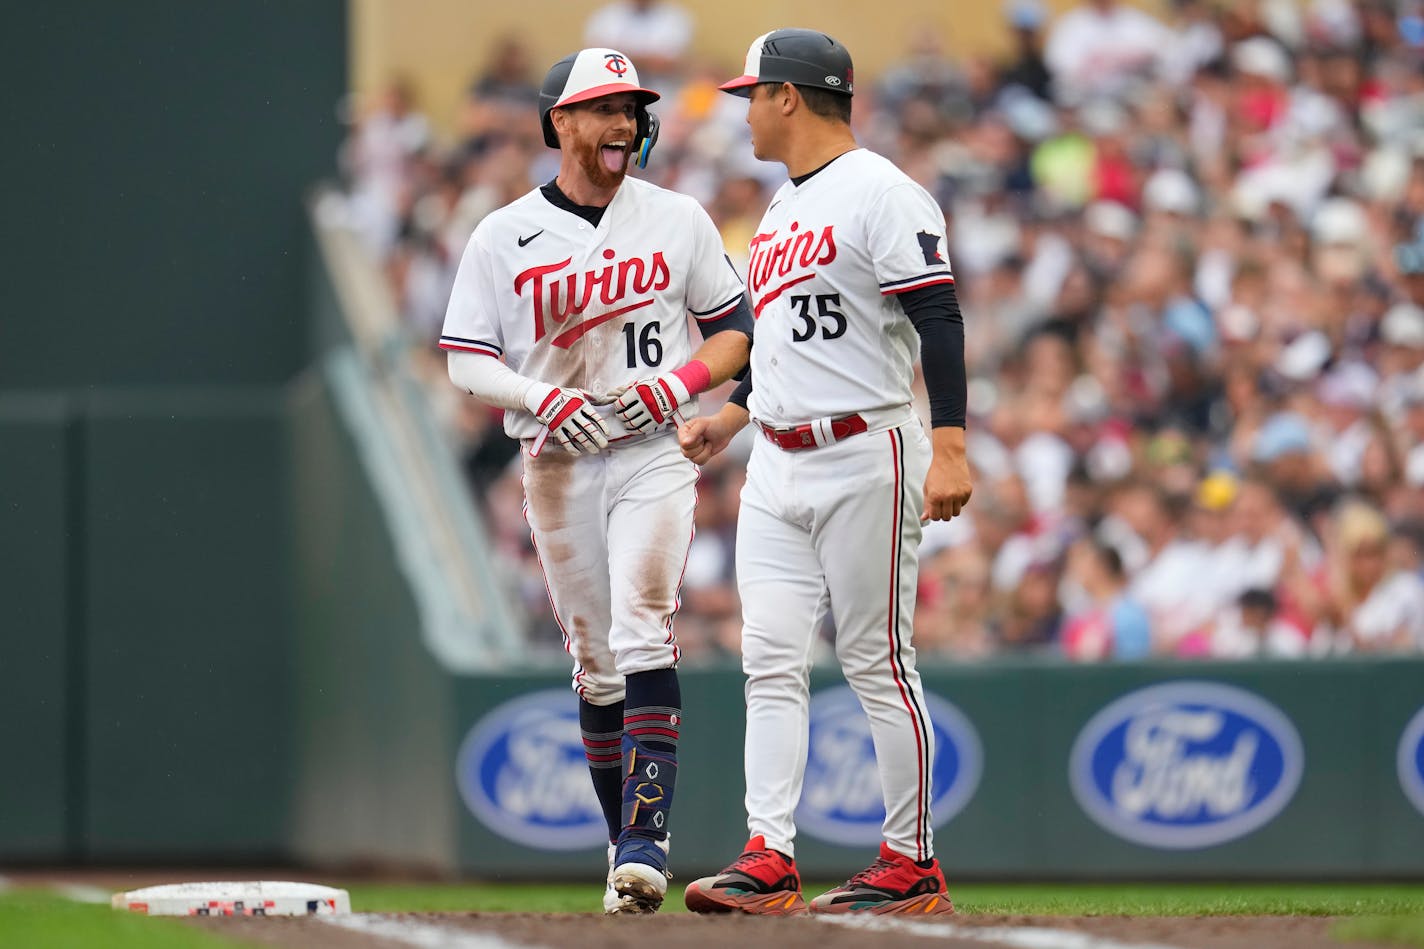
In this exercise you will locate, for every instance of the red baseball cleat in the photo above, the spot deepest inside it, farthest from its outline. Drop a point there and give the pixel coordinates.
(892, 884)
(760, 882)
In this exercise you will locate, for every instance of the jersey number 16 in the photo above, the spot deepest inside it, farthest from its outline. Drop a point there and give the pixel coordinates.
(645, 344)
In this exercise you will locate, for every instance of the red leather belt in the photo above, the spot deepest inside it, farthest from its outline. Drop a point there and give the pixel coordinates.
(802, 437)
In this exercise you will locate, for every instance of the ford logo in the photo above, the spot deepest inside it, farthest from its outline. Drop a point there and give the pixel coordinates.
(841, 798)
(1186, 765)
(1410, 760)
(521, 770)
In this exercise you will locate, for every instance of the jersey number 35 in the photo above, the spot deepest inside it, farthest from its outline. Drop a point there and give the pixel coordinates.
(826, 304)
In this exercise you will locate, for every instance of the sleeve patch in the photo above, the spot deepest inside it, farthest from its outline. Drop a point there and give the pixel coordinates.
(929, 246)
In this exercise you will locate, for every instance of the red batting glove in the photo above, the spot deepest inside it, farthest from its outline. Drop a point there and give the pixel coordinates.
(572, 423)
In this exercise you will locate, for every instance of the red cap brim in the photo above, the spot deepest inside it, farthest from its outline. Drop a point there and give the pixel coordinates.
(736, 86)
(612, 88)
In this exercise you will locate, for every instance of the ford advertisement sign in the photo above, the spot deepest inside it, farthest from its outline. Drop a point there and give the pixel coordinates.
(521, 770)
(1409, 760)
(1186, 765)
(841, 798)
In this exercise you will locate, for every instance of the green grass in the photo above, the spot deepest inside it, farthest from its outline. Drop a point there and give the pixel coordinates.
(1191, 899)
(1202, 899)
(38, 920)
(1385, 930)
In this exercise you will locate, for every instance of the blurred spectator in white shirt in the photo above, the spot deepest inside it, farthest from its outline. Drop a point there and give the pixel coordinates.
(1196, 41)
(1347, 395)
(1376, 606)
(377, 157)
(1169, 582)
(1100, 47)
(1401, 359)
(1252, 628)
(1110, 623)
(653, 33)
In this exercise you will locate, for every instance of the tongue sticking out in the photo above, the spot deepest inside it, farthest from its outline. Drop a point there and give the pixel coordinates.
(613, 158)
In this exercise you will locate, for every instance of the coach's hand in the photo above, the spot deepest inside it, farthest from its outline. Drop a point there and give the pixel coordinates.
(705, 436)
(575, 426)
(948, 485)
(648, 403)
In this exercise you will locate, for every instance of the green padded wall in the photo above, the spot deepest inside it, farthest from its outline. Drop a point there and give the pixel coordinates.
(188, 626)
(35, 662)
(157, 154)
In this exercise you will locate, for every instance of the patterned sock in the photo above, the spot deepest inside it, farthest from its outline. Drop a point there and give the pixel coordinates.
(602, 727)
(652, 718)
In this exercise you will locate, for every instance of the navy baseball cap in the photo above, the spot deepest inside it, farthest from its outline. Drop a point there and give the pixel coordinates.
(801, 57)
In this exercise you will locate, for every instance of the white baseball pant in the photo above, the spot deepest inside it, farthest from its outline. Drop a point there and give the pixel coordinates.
(837, 525)
(612, 531)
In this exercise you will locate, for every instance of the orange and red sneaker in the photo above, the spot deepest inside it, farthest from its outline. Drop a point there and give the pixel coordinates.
(760, 882)
(892, 884)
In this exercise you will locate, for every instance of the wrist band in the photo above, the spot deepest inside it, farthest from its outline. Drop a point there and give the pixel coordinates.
(695, 375)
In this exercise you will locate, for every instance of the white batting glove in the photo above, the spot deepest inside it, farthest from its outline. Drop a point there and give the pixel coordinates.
(648, 403)
(568, 418)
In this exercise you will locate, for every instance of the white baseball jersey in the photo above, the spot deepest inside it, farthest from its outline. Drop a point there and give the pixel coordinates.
(826, 261)
(585, 307)
(837, 526)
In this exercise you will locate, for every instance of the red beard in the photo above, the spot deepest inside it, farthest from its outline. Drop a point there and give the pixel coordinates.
(590, 158)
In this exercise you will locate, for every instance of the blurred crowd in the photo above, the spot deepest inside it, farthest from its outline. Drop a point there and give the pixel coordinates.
(1189, 248)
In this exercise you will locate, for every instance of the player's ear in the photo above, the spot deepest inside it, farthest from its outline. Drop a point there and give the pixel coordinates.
(789, 97)
(561, 120)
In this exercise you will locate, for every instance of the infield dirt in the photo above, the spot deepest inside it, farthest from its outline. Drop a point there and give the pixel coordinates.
(719, 932)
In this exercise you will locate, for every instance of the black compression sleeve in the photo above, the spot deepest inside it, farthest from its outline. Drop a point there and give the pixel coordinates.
(743, 390)
(739, 318)
(935, 312)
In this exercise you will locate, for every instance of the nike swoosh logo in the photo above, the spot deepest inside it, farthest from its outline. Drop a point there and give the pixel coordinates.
(773, 204)
(525, 240)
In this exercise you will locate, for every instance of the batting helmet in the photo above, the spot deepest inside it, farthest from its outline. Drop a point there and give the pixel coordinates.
(591, 73)
(800, 57)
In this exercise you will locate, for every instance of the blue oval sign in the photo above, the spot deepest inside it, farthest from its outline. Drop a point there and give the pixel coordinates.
(841, 798)
(521, 770)
(1410, 760)
(1186, 765)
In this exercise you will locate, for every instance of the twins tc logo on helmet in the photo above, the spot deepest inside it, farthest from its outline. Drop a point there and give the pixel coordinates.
(841, 799)
(1409, 760)
(1186, 765)
(522, 771)
(616, 64)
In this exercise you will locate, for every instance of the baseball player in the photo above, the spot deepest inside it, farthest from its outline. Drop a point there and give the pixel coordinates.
(848, 280)
(570, 311)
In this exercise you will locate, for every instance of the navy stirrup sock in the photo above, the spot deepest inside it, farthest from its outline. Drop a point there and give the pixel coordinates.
(602, 727)
(652, 718)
